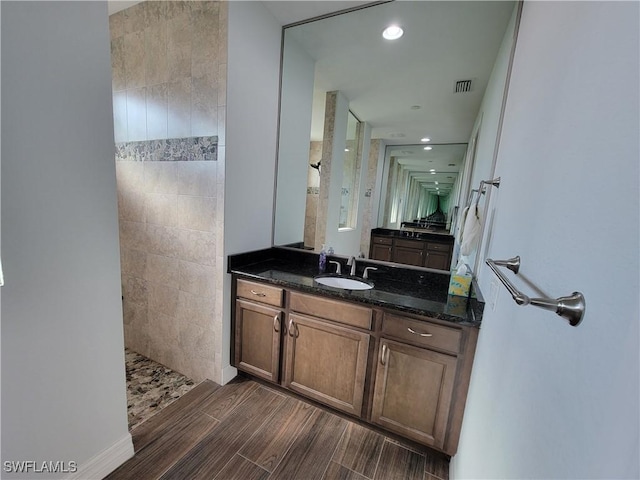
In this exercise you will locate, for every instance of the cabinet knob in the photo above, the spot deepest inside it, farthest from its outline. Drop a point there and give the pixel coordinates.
(276, 323)
(411, 330)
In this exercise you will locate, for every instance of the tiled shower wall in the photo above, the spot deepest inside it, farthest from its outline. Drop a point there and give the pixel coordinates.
(313, 189)
(169, 96)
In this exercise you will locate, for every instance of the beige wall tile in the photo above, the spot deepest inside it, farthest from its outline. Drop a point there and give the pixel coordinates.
(118, 77)
(130, 176)
(135, 315)
(137, 114)
(222, 84)
(163, 240)
(165, 326)
(131, 205)
(205, 44)
(179, 98)
(162, 209)
(120, 131)
(196, 213)
(134, 59)
(160, 177)
(194, 309)
(222, 119)
(134, 262)
(135, 290)
(204, 113)
(197, 279)
(197, 178)
(175, 8)
(162, 270)
(179, 47)
(156, 12)
(197, 246)
(157, 112)
(155, 58)
(133, 235)
(163, 298)
(135, 18)
(116, 24)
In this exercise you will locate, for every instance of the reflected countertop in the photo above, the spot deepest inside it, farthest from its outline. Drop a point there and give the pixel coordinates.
(410, 290)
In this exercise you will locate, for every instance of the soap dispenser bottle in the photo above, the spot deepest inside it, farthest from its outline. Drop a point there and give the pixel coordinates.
(322, 261)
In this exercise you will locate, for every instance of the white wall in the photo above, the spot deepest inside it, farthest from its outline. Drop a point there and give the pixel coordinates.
(293, 155)
(548, 400)
(252, 107)
(63, 377)
(486, 128)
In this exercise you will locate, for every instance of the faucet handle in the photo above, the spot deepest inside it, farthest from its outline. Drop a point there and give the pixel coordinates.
(338, 266)
(366, 271)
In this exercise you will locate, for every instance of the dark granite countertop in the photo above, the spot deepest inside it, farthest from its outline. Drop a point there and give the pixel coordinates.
(410, 290)
(435, 235)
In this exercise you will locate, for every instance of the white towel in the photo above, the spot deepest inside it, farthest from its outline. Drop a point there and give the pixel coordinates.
(471, 230)
(463, 219)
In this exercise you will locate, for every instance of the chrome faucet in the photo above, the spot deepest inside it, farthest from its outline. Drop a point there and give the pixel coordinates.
(367, 270)
(338, 266)
(352, 263)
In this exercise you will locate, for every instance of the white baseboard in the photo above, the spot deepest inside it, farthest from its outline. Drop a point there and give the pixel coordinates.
(228, 374)
(105, 462)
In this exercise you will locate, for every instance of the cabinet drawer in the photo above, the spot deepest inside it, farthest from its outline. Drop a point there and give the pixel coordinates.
(426, 333)
(259, 292)
(417, 244)
(383, 240)
(440, 247)
(337, 311)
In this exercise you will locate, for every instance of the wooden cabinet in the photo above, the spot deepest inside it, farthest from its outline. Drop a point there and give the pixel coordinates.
(257, 329)
(421, 253)
(408, 252)
(405, 373)
(413, 390)
(326, 362)
(381, 248)
(438, 255)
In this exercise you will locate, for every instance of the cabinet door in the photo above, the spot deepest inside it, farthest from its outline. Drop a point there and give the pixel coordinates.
(413, 391)
(437, 260)
(381, 252)
(257, 339)
(326, 362)
(408, 256)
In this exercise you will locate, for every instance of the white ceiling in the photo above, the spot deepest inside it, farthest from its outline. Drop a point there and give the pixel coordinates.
(443, 42)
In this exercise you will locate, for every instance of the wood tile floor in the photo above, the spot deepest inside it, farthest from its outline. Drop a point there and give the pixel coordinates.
(248, 431)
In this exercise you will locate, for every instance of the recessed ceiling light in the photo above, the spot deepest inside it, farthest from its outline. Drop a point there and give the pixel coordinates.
(436, 183)
(428, 148)
(432, 170)
(425, 139)
(392, 32)
(433, 173)
(346, 149)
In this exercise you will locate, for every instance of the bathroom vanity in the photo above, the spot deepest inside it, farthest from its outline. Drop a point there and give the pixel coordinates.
(398, 356)
(412, 247)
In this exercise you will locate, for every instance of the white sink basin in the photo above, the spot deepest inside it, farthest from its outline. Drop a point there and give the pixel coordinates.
(344, 283)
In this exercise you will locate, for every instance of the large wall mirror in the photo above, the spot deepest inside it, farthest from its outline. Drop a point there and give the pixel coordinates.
(388, 135)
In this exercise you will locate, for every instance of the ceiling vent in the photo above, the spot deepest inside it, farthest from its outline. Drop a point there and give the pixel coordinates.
(462, 86)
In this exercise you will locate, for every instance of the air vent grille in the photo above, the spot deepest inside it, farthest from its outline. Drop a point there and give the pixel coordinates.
(462, 86)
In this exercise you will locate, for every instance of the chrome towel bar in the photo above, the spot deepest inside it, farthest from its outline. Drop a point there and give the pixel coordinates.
(570, 307)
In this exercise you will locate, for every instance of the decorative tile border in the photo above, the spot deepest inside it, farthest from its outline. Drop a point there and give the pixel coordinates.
(169, 150)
